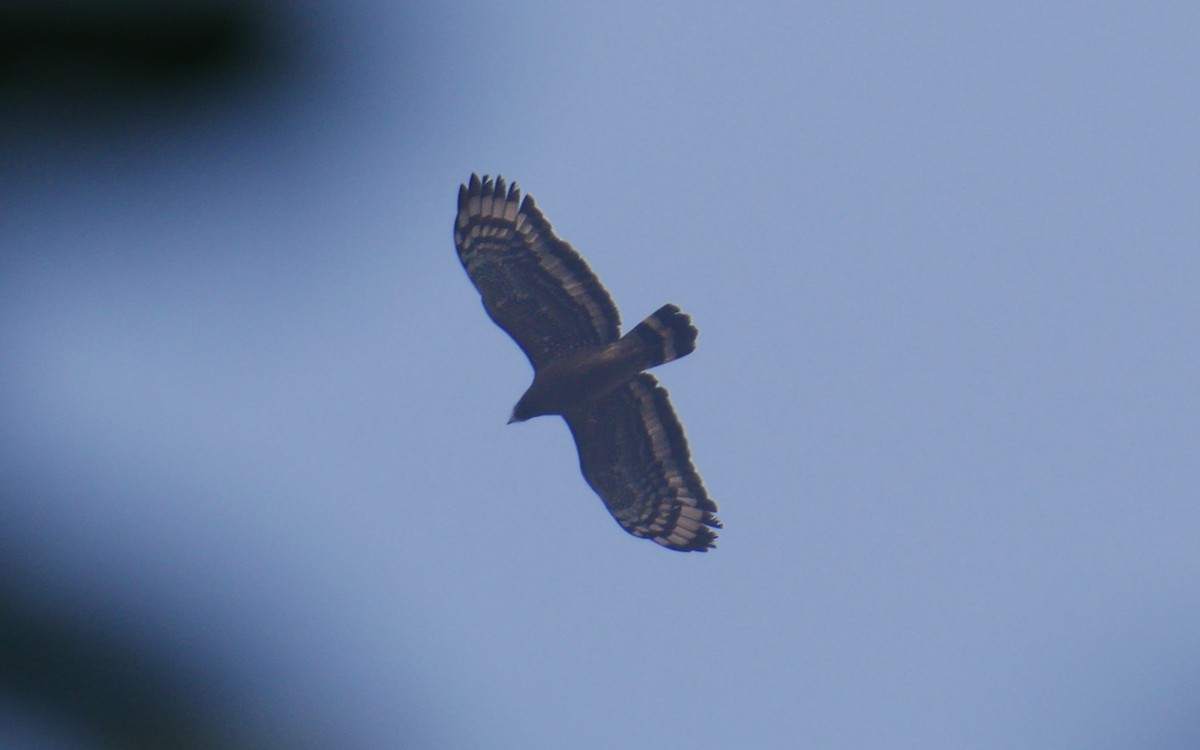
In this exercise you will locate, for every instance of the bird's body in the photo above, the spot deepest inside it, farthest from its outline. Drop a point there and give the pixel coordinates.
(567, 384)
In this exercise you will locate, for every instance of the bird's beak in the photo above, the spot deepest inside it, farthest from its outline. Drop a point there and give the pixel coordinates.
(512, 419)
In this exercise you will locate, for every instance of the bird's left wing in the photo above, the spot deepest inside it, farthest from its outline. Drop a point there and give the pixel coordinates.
(633, 454)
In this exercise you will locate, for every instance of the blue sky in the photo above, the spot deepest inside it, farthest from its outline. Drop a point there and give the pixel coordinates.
(945, 264)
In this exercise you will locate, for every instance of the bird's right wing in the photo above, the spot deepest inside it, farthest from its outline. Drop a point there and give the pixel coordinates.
(534, 285)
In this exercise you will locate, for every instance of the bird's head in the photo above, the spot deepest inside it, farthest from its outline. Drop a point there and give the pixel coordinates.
(520, 413)
(528, 407)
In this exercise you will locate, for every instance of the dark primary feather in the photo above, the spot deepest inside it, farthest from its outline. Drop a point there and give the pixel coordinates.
(633, 454)
(533, 285)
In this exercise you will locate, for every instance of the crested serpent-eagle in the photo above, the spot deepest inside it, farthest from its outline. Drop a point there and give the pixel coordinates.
(537, 288)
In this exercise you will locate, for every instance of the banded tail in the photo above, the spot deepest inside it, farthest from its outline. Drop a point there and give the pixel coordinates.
(667, 334)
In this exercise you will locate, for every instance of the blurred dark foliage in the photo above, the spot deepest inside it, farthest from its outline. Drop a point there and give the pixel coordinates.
(87, 84)
(112, 693)
(104, 67)
(82, 75)
(131, 48)
(134, 47)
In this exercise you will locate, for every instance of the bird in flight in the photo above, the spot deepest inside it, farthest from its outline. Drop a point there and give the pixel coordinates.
(541, 292)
